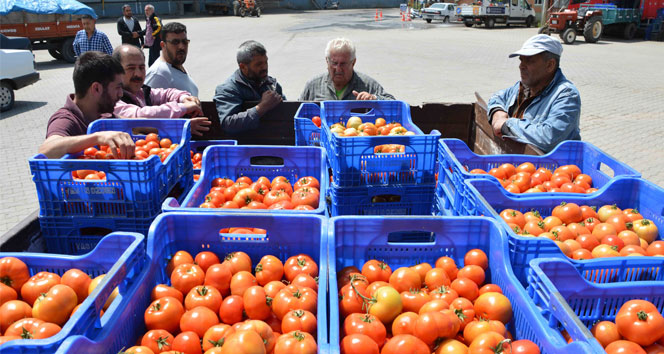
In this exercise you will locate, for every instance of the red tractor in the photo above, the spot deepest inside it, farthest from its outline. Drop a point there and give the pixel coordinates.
(570, 22)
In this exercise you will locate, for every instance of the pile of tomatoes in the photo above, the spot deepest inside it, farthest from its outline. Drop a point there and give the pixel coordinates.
(277, 194)
(151, 145)
(638, 328)
(37, 307)
(584, 232)
(425, 309)
(218, 306)
(389, 149)
(526, 178)
(355, 127)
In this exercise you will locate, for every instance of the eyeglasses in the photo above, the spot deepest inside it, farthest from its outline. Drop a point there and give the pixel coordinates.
(178, 41)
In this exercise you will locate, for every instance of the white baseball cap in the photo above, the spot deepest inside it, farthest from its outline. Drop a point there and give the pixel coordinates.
(538, 44)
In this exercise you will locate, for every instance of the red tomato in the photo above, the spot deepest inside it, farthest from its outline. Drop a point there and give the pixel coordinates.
(187, 342)
(164, 313)
(472, 272)
(493, 306)
(405, 343)
(306, 196)
(375, 270)
(203, 295)
(293, 297)
(187, 276)
(180, 257)
(256, 303)
(296, 342)
(12, 311)
(300, 263)
(404, 323)
(639, 321)
(157, 340)
(433, 325)
(405, 279)
(215, 335)
(198, 320)
(605, 332)
(465, 288)
(624, 346)
(308, 181)
(476, 257)
(358, 344)
(38, 284)
(231, 310)
(366, 324)
(413, 300)
(299, 320)
(78, 281)
(449, 265)
(275, 196)
(523, 346)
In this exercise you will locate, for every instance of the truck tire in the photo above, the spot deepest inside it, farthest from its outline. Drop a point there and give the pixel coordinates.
(242, 12)
(630, 31)
(593, 29)
(67, 50)
(568, 35)
(468, 23)
(6, 96)
(55, 53)
(446, 19)
(490, 22)
(258, 12)
(428, 20)
(529, 21)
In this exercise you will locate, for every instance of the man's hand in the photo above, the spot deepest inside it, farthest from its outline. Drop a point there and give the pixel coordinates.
(269, 100)
(192, 108)
(134, 34)
(192, 99)
(499, 118)
(121, 144)
(363, 96)
(200, 125)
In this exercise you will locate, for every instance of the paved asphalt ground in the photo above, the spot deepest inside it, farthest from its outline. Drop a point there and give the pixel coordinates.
(621, 82)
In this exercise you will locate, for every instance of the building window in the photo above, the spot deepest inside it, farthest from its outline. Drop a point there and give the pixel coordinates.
(538, 2)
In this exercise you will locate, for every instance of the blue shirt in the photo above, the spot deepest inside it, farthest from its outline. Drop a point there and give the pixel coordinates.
(98, 41)
(552, 117)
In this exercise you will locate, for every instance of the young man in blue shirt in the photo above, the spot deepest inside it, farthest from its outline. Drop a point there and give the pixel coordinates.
(89, 39)
(544, 108)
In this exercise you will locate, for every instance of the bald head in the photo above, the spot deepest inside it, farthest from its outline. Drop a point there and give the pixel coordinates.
(133, 63)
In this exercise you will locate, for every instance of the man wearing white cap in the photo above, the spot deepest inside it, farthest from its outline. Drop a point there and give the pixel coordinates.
(543, 108)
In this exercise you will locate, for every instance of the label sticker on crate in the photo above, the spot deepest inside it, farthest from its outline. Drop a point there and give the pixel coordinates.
(91, 191)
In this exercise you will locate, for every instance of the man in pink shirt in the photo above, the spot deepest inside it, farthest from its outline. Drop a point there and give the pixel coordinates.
(142, 101)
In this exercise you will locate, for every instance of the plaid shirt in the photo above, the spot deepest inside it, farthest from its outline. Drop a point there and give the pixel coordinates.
(98, 41)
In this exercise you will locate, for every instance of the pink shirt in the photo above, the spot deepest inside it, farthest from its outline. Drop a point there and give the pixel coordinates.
(165, 104)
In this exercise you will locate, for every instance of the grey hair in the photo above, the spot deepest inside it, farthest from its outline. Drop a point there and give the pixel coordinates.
(248, 50)
(340, 45)
(548, 56)
(126, 6)
(122, 50)
(149, 6)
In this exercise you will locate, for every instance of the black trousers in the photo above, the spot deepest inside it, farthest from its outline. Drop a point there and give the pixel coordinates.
(155, 51)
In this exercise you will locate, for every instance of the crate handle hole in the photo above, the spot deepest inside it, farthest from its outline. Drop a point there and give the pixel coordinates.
(361, 110)
(95, 231)
(385, 198)
(144, 131)
(243, 234)
(604, 168)
(414, 236)
(266, 161)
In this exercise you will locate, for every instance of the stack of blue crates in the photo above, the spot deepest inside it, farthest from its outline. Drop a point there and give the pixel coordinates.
(75, 214)
(366, 183)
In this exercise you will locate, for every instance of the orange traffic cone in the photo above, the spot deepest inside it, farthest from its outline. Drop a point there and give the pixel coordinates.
(376, 17)
(408, 16)
(403, 17)
(381, 15)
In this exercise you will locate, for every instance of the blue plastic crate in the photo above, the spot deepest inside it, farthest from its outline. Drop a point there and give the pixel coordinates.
(456, 159)
(198, 146)
(568, 301)
(121, 256)
(352, 159)
(405, 241)
(132, 189)
(306, 132)
(488, 198)
(172, 232)
(255, 161)
(381, 200)
(79, 235)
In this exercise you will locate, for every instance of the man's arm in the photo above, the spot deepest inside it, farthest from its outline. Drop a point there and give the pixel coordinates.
(57, 146)
(108, 48)
(563, 118)
(77, 46)
(121, 27)
(141, 31)
(307, 93)
(157, 25)
(165, 110)
(229, 106)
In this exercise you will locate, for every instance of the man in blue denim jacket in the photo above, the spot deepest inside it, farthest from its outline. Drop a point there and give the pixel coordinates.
(544, 108)
(249, 83)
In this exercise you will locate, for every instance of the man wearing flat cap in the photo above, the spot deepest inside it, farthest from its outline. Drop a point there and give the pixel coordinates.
(544, 108)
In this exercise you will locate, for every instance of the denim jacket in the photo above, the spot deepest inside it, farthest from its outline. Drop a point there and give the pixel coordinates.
(230, 96)
(552, 117)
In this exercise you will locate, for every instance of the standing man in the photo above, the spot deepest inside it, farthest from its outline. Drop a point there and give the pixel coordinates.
(129, 28)
(167, 71)
(142, 101)
(152, 33)
(89, 38)
(542, 109)
(248, 83)
(342, 82)
(97, 86)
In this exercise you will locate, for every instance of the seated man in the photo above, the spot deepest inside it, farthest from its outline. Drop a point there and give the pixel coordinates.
(249, 83)
(543, 108)
(342, 82)
(141, 101)
(98, 85)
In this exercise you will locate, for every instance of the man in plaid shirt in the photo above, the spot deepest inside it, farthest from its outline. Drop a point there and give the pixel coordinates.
(89, 38)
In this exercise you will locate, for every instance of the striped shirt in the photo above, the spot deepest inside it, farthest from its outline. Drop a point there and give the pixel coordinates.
(98, 42)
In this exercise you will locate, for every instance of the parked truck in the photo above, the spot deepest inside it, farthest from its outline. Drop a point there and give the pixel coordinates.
(50, 25)
(492, 12)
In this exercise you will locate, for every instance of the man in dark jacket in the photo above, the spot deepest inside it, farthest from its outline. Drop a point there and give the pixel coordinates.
(152, 33)
(249, 83)
(129, 28)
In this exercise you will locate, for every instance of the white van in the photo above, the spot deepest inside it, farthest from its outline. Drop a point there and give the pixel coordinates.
(17, 71)
(439, 11)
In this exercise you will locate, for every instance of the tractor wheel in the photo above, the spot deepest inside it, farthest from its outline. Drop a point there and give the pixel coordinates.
(630, 31)
(490, 23)
(544, 30)
(243, 12)
(529, 21)
(593, 29)
(568, 35)
(468, 23)
(55, 53)
(258, 12)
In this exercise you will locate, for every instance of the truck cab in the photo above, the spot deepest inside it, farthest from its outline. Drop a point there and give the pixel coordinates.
(492, 12)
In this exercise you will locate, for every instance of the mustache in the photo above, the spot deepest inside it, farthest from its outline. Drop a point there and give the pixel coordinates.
(180, 52)
(136, 79)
